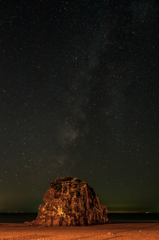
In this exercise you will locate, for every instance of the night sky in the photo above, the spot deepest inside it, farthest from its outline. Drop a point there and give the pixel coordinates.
(79, 97)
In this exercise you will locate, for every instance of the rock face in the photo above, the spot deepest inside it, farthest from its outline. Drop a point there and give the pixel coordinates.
(70, 202)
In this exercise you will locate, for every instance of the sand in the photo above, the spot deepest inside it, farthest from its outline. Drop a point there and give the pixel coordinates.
(122, 231)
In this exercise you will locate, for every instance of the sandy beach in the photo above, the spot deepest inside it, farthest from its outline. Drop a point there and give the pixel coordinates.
(125, 231)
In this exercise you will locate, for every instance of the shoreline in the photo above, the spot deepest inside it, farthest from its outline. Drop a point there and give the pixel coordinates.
(125, 231)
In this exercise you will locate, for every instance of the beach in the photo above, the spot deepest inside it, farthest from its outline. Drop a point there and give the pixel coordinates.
(122, 231)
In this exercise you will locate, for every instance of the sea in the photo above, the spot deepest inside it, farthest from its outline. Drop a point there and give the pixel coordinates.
(113, 217)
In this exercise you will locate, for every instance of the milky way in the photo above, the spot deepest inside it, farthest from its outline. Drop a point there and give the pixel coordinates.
(79, 96)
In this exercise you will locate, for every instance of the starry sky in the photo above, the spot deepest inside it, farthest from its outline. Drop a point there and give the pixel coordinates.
(79, 97)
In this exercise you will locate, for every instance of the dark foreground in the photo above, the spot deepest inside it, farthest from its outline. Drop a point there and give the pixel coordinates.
(122, 231)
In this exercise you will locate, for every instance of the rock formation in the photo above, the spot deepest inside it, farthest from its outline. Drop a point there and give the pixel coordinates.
(70, 202)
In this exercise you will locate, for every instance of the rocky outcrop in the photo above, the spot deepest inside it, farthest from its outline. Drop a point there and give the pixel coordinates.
(70, 202)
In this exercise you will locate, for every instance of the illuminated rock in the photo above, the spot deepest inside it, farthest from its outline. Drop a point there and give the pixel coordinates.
(70, 202)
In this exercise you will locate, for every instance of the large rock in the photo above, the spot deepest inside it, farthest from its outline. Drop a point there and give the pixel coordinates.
(70, 202)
